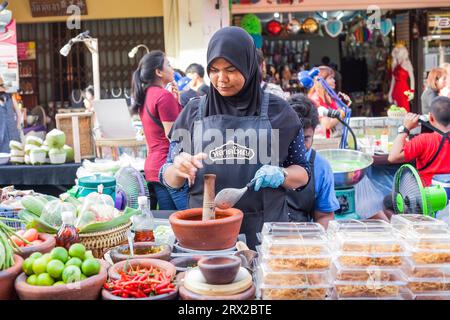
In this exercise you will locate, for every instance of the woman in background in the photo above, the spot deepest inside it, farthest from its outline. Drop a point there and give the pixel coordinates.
(158, 109)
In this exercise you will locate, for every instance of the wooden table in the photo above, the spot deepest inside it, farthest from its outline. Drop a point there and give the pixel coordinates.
(115, 144)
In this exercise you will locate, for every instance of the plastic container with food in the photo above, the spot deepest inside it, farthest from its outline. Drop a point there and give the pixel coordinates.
(371, 273)
(265, 276)
(336, 226)
(418, 285)
(426, 270)
(295, 262)
(429, 246)
(364, 289)
(369, 241)
(355, 259)
(306, 244)
(291, 228)
(432, 296)
(301, 292)
(409, 222)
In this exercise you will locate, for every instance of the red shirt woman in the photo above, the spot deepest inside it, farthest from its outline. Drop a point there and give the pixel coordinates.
(158, 109)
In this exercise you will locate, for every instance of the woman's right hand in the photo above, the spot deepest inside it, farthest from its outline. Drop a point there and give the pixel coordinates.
(186, 166)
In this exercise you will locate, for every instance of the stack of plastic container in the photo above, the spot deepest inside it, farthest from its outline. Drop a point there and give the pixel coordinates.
(428, 266)
(368, 261)
(294, 262)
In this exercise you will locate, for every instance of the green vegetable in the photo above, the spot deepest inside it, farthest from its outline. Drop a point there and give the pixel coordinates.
(114, 223)
(7, 246)
(33, 204)
(33, 221)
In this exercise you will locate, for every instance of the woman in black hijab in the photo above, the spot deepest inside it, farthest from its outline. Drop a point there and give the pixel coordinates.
(240, 134)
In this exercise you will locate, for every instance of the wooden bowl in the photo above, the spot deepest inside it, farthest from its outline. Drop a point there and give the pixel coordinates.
(45, 247)
(88, 289)
(218, 234)
(219, 269)
(184, 263)
(117, 254)
(169, 268)
(7, 278)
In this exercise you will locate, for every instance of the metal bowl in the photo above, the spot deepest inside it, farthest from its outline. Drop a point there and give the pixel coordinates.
(348, 178)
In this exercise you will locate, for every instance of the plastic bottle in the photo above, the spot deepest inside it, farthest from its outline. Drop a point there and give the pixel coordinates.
(143, 223)
(67, 233)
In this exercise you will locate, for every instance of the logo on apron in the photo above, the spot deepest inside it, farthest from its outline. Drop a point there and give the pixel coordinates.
(231, 151)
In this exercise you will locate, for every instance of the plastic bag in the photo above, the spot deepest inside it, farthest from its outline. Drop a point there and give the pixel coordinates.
(52, 212)
(97, 207)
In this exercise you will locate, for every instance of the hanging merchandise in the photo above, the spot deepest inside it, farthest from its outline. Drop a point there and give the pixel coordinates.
(252, 24)
(333, 28)
(274, 27)
(386, 27)
(310, 25)
(294, 26)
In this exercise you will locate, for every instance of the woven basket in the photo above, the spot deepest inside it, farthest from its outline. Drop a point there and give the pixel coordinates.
(100, 242)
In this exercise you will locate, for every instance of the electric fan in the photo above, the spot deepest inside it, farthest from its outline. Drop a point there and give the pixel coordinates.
(410, 197)
(130, 185)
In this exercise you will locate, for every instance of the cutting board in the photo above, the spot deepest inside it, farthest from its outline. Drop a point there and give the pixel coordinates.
(196, 283)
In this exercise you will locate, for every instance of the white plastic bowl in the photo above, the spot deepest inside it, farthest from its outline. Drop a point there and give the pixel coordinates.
(4, 158)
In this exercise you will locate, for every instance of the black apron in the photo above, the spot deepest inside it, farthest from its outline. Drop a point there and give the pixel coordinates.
(268, 204)
(301, 205)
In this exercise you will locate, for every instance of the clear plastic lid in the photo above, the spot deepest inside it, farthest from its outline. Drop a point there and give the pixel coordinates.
(410, 222)
(421, 240)
(320, 292)
(369, 241)
(431, 296)
(336, 226)
(277, 263)
(419, 285)
(299, 244)
(433, 271)
(291, 228)
(265, 276)
(349, 259)
(374, 274)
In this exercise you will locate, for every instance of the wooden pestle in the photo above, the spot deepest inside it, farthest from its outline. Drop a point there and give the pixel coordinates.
(209, 193)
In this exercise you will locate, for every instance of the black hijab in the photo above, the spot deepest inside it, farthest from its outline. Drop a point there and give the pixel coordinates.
(236, 46)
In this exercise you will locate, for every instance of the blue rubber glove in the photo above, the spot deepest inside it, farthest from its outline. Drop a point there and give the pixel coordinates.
(268, 177)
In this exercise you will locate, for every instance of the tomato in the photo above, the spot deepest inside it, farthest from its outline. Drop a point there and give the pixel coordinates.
(20, 232)
(36, 242)
(17, 241)
(31, 235)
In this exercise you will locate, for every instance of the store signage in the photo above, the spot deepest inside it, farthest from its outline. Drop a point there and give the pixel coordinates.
(438, 23)
(55, 8)
(26, 50)
(9, 65)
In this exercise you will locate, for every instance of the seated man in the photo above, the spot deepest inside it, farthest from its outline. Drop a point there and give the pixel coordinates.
(321, 185)
(430, 151)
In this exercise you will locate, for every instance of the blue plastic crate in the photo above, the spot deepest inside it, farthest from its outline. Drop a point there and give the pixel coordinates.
(11, 214)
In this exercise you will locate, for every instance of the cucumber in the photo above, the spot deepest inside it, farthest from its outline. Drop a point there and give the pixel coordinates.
(33, 204)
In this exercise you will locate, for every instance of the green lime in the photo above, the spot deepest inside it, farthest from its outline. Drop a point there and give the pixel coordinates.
(59, 253)
(90, 267)
(27, 266)
(71, 274)
(36, 255)
(74, 262)
(89, 255)
(31, 280)
(39, 265)
(59, 283)
(83, 277)
(47, 257)
(55, 269)
(45, 280)
(77, 250)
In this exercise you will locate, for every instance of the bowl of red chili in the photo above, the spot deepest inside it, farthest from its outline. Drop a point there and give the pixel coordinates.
(143, 279)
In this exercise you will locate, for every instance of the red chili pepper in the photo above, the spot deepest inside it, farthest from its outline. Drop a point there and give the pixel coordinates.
(167, 290)
(162, 285)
